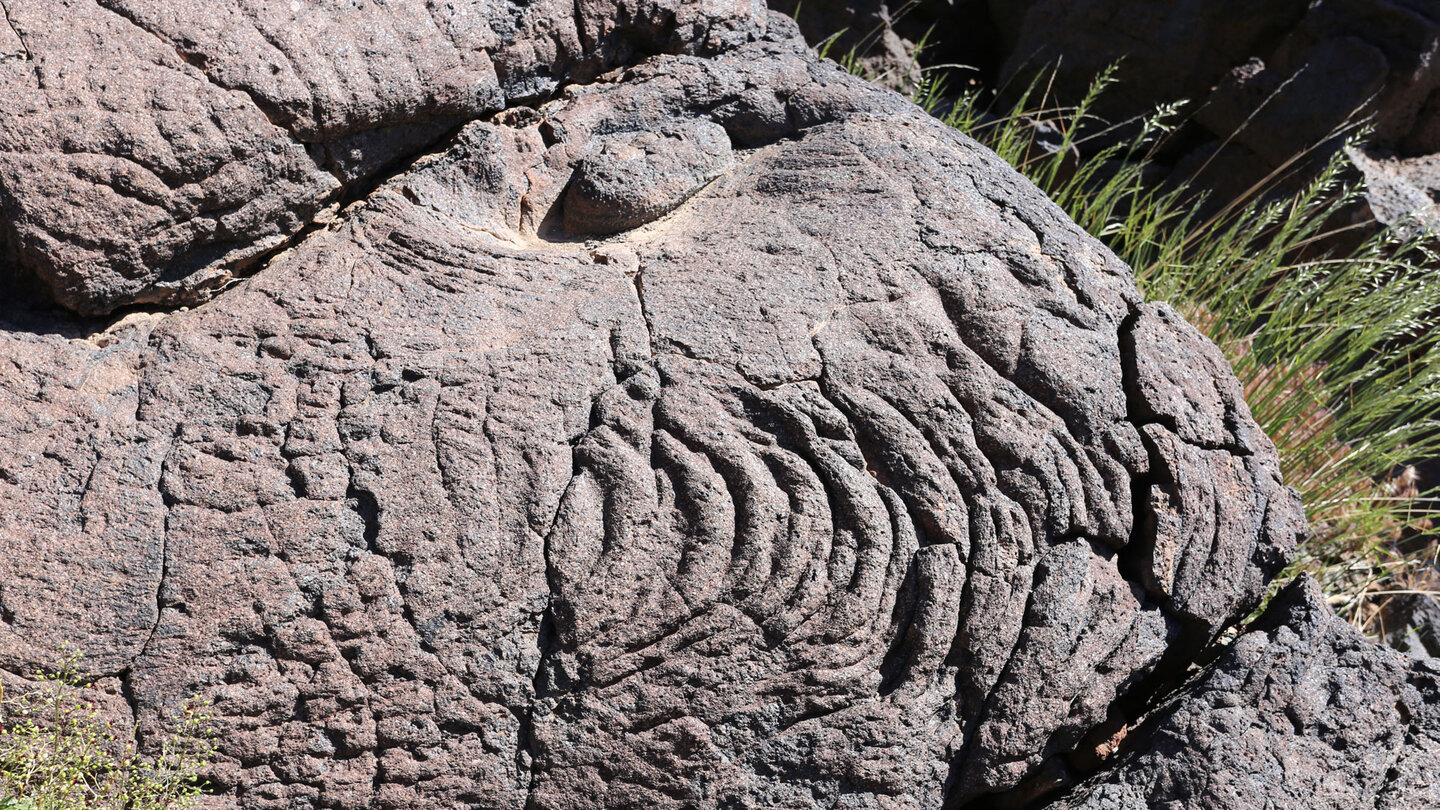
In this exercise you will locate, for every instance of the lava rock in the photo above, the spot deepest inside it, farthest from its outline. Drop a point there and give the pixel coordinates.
(846, 471)
(837, 481)
(629, 179)
(1300, 712)
(150, 149)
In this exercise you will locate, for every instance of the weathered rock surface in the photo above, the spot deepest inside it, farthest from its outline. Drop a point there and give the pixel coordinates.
(629, 179)
(1301, 712)
(845, 472)
(149, 147)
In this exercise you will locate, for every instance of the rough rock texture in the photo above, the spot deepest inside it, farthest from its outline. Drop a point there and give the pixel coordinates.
(149, 147)
(849, 472)
(1400, 191)
(1300, 712)
(628, 179)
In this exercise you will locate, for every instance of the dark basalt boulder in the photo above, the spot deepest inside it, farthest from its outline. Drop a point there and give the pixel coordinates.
(846, 472)
(1300, 712)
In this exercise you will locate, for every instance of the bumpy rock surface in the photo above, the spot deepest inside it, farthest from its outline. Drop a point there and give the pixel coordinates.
(848, 472)
(628, 179)
(1301, 712)
(149, 147)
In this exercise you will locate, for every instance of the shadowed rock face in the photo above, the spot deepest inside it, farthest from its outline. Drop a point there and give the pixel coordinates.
(1270, 83)
(1264, 85)
(845, 472)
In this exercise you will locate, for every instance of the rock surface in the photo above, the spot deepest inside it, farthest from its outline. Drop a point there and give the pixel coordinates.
(632, 178)
(716, 432)
(1300, 712)
(150, 147)
(1411, 623)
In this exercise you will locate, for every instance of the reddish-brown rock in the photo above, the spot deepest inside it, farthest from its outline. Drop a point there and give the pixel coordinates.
(845, 472)
(149, 148)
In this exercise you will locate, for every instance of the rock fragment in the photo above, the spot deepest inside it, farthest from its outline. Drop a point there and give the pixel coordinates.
(629, 179)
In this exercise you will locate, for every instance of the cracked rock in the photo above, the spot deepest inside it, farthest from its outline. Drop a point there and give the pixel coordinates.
(835, 468)
(1300, 712)
(149, 149)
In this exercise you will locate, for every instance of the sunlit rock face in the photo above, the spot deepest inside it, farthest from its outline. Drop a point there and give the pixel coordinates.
(718, 431)
(150, 148)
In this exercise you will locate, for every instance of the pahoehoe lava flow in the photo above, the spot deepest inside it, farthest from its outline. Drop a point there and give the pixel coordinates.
(697, 426)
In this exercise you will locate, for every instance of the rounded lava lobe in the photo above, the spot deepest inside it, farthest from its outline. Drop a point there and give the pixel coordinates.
(631, 178)
(821, 495)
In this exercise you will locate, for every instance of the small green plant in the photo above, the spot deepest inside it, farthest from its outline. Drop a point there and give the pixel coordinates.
(56, 753)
